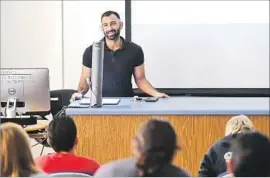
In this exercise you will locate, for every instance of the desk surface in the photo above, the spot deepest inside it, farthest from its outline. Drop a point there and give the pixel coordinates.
(181, 106)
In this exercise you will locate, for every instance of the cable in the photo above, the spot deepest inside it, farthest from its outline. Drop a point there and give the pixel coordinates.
(62, 111)
(42, 150)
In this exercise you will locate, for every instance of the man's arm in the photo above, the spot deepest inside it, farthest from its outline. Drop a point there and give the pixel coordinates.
(83, 86)
(86, 72)
(144, 84)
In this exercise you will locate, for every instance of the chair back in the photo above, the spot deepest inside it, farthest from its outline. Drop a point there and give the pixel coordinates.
(69, 174)
(62, 99)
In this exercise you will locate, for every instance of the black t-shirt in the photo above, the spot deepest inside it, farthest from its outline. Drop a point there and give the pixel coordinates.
(118, 68)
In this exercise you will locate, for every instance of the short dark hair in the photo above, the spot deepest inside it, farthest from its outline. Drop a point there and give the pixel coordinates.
(62, 133)
(251, 155)
(108, 13)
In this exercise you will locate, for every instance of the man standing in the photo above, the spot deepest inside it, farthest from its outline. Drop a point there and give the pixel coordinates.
(122, 59)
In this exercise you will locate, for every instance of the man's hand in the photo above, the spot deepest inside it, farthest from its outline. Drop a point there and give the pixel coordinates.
(76, 96)
(161, 95)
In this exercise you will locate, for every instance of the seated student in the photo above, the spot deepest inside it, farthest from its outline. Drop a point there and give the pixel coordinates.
(250, 156)
(62, 136)
(16, 157)
(213, 163)
(153, 148)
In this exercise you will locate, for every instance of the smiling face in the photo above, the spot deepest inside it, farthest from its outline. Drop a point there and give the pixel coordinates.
(111, 27)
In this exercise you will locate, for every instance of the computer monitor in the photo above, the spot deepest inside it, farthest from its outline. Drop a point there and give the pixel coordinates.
(96, 83)
(30, 86)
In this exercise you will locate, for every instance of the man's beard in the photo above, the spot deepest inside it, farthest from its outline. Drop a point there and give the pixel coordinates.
(115, 36)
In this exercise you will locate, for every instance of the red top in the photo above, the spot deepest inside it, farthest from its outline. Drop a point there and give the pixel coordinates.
(66, 162)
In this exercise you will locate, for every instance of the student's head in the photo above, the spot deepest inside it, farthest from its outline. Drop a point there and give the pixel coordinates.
(154, 146)
(239, 124)
(111, 25)
(62, 134)
(16, 156)
(250, 156)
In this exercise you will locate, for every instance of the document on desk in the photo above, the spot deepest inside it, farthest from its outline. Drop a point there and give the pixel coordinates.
(105, 101)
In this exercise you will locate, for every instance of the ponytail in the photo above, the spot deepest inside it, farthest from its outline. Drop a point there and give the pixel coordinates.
(151, 162)
(156, 144)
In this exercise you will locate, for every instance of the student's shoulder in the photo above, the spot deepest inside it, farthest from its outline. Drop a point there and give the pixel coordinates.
(42, 158)
(224, 142)
(124, 161)
(120, 162)
(120, 168)
(88, 160)
(45, 160)
(174, 171)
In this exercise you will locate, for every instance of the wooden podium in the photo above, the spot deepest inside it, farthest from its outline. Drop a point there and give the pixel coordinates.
(105, 133)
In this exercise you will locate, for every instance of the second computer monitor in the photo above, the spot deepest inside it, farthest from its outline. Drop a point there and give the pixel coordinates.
(30, 86)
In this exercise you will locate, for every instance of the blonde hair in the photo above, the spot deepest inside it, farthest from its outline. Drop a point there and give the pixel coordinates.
(16, 156)
(238, 124)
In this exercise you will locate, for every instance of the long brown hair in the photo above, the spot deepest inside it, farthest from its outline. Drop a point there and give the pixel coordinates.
(16, 156)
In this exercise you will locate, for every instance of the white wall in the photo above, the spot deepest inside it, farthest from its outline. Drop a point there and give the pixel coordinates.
(31, 36)
(203, 44)
(81, 28)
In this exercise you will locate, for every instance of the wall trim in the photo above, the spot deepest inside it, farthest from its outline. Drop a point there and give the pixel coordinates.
(128, 20)
(63, 52)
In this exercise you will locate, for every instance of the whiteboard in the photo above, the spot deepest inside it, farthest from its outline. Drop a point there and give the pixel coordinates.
(205, 55)
(203, 44)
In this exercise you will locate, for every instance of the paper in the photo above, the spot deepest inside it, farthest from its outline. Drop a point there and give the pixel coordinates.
(105, 101)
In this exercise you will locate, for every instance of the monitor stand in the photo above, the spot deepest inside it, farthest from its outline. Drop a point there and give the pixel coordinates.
(11, 108)
(10, 114)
